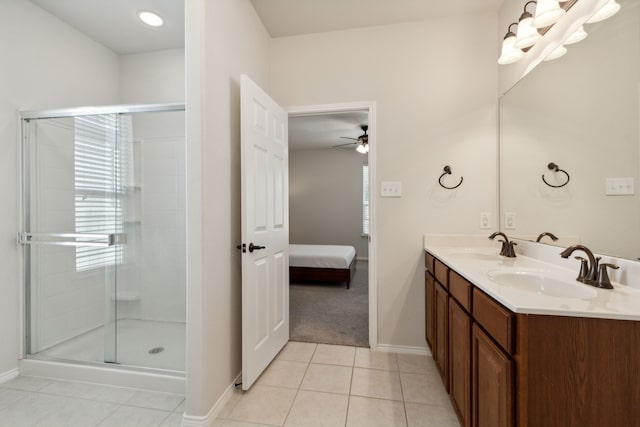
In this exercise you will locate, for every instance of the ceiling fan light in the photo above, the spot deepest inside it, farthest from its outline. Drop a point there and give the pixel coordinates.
(527, 35)
(547, 13)
(579, 35)
(362, 148)
(556, 53)
(608, 10)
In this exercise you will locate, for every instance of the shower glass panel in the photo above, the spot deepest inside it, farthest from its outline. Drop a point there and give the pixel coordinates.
(104, 237)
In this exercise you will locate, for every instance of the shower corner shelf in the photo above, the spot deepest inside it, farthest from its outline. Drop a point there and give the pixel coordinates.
(126, 296)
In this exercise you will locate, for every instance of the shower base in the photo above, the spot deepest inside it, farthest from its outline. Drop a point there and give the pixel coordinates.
(138, 344)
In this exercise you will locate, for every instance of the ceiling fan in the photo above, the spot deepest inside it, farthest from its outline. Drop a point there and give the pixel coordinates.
(361, 142)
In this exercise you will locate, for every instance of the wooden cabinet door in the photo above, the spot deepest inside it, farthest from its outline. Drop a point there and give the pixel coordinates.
(460, 362)
(441, 353)
(492, 383)
(429, 302)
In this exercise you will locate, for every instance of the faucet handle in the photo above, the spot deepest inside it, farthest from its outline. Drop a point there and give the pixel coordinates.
(509, 250)
(603, 276)
(584, 269)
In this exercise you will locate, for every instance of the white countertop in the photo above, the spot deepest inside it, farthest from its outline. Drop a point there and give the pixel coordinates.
(477, 264)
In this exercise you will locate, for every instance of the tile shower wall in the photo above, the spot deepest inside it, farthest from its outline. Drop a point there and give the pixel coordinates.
(65, 303)
(153, 284)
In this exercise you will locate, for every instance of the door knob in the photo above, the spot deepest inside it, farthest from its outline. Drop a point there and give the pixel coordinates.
(253, 247)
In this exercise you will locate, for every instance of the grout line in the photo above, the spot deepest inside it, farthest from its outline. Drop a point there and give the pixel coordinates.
(293, 402)
(117, 408)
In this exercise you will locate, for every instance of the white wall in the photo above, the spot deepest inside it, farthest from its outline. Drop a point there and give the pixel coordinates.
(44, 64)
(325, 198)
(152, 77)
(436, 106)
(224, 39)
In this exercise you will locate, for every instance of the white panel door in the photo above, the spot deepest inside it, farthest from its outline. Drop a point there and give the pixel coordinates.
(265, 230)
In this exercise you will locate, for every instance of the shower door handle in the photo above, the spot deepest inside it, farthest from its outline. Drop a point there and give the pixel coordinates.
(71, 239)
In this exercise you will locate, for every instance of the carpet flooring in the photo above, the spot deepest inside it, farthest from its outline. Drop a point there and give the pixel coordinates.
(329, 313)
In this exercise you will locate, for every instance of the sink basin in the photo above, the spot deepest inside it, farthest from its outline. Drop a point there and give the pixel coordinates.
(541, 283)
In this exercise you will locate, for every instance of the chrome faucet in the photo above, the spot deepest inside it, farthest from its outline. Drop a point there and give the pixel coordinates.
(546, 233)
(507, 246)
(591, 272)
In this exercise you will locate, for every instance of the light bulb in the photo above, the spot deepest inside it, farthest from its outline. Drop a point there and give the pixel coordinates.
(556, 53)
(579, 35)
(509, 53)
(547, 13)
(527, 35)
(362, 148)
(607, 11)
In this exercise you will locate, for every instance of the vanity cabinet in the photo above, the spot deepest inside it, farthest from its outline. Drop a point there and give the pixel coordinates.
(441, 350)
(505, 369)
(459, 358)
(492, 383)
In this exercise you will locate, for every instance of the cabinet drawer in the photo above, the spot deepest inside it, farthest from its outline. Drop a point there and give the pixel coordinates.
(428, 262)
(442, 274)
(460, 289)
(495, 319)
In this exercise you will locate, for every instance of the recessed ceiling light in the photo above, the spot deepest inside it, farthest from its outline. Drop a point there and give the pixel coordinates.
(150, 18)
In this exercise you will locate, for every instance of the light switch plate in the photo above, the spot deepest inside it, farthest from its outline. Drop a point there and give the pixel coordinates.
(619, 187)
(391, 189)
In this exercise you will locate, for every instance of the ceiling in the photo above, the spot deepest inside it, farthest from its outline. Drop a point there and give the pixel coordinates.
(114, 23)
(324, 131)
(295, 17)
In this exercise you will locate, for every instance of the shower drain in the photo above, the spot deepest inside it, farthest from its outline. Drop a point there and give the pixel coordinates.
(156, 350)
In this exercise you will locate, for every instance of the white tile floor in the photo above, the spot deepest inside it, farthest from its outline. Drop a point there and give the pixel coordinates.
(321, 385)
(31, 401)
(307, 385)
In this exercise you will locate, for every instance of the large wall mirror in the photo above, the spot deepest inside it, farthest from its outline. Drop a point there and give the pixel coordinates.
(581, 113)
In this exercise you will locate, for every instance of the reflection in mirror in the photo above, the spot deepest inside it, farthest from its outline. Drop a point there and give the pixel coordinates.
(581, 113)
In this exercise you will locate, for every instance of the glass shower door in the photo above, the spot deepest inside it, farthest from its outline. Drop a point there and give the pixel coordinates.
(72, 236)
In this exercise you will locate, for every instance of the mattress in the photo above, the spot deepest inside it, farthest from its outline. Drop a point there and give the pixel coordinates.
(321, 256)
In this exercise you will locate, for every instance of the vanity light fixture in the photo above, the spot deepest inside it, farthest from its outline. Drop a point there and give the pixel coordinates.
(527, 34)
(556, 53)
(532, 27)
(579, 35)
(608, 10)
(150, 18)
(509, 53)
(547, 13)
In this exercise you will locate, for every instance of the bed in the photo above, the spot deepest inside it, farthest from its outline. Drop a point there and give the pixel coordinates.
(322, 263)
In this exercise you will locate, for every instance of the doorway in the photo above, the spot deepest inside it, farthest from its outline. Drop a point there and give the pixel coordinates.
(332, 203)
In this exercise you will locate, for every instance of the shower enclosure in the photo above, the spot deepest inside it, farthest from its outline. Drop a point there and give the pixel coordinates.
(103, 235)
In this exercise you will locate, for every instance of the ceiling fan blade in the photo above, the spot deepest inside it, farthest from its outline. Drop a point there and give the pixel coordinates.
(342, 145)
(346, 137)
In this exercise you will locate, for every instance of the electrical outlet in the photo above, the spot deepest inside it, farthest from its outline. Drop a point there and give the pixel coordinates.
(485, 220)
(391, 189)
(509, 220)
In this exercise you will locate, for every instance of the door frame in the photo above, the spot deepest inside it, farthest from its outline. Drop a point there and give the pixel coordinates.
(370, 107)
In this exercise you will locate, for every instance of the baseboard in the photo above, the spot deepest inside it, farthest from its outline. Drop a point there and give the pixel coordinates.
(422, 351)
(9, 375)
(207, 420)
(362, 259)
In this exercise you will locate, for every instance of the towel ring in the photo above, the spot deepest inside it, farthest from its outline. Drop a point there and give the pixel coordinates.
(447, 171)
(553, 167)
